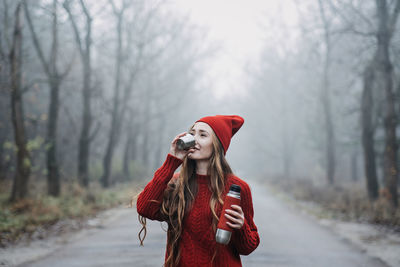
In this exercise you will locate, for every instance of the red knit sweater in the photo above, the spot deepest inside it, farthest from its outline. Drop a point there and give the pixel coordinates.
(197, 243)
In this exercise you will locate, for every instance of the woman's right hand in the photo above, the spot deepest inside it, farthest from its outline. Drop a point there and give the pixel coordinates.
(174, 151)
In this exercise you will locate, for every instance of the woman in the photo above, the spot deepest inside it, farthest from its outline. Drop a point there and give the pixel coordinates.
(191, 201)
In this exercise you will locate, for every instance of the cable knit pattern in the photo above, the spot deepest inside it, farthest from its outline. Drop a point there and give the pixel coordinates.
(149, 201)
(197, 242)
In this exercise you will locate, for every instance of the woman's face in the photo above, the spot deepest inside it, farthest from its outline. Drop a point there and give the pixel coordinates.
(203, 149)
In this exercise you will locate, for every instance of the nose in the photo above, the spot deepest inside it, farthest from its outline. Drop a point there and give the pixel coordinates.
(195, 139)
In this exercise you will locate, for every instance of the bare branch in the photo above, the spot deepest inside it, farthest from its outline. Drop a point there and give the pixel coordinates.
(68, 68)
(89, 19)
(356, 11)
(323, 15)
(85, 10)
(350, 24)
(350, 30)
(70, 118)
(36, 40)
(66, 6)
(150, 15)
(54, 45)
(6, 26)
(393, 18)
(100, 10)
(113, 7)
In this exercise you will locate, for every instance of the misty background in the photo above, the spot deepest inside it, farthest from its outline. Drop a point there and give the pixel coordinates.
(104, 86)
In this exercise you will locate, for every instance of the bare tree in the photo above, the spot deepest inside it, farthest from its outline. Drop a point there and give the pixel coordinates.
(5, 126)
(123, 88)
(325, 97)
(368, 133)
(23, 170)
(131, 143)
(378, 74)
(85, 54)
(387, 18)
(115, 123)
(54, 80)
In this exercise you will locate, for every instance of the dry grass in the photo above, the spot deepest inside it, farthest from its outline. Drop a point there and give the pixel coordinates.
(23, 218)
(345, 201)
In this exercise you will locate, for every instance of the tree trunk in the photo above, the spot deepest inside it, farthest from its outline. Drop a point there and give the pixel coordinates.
(326, 103)
(53, 176)
(84, 140)
(3, 137)
(368, 134)
(158, 145)
(127, 157)
(115, 124)
(287, 151)
(2, 163)
(385, 69)
(135, 140)
(354, 165)
(54, 81)
(146, 130)
(128, 146)
(20, 185)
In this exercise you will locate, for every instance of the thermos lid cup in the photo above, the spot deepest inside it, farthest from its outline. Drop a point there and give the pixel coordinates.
(185, 142)
(235, 188)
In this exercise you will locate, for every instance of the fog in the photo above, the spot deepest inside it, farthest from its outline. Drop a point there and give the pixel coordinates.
(147, 70)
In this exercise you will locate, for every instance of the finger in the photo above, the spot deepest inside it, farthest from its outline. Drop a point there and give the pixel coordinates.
(233, 219)
(237, 208)
(234, 226)
(233, 213)
(182, 134)
(177, 137)
(236, 215)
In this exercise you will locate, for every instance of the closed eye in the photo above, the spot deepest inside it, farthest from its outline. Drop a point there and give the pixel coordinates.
(202, 133)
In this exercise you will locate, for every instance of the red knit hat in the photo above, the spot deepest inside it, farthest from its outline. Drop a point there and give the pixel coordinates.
(224, 126)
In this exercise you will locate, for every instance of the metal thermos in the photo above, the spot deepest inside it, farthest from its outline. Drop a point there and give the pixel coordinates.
(185, 142)
(224, 232)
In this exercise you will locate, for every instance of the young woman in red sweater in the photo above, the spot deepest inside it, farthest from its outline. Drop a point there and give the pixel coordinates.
(191, 201)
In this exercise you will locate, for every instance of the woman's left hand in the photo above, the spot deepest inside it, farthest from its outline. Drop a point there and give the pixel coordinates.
(235, 216)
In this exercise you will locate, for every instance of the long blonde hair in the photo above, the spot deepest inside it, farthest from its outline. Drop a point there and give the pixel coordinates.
(180, 194)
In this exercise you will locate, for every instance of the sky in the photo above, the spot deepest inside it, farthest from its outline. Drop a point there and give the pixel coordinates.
(239, 28)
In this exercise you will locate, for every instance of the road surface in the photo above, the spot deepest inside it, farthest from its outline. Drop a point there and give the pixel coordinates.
(288, 238)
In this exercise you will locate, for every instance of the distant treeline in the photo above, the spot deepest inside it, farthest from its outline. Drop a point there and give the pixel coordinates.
(86, 84)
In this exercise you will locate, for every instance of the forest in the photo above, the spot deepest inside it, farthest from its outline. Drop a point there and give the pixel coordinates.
(93, 92)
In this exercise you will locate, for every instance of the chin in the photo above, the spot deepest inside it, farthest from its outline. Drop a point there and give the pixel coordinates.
(190, 156)
(197, 157)
(194, 156)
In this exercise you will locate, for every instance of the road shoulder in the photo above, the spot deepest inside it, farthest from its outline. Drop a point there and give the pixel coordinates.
(33, 250)
(376, 241)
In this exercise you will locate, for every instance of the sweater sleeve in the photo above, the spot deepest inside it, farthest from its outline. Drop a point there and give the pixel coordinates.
(149, 200)
(246, 239)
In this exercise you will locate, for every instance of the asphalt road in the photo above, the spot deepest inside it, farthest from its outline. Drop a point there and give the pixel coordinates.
(288, 238)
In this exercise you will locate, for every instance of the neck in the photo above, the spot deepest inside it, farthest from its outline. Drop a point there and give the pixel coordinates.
(202, 167)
